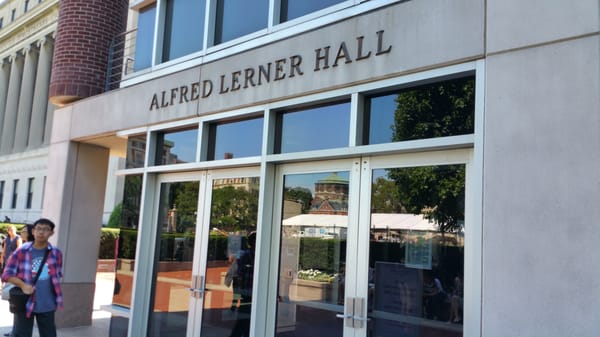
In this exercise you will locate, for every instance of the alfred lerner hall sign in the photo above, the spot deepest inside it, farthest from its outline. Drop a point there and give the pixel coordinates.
(278, 70)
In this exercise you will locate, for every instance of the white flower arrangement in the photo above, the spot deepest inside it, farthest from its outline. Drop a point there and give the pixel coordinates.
(316, 275)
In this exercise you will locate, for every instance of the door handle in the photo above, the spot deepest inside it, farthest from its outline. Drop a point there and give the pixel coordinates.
(353, 314)
(197, 288)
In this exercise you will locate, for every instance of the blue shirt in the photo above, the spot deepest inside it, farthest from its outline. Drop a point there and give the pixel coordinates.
(44, 291)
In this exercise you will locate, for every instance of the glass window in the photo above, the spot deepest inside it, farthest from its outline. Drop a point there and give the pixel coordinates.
(426, 111)
(316, 128)
(176, 147)
(291, 9)
(144, 39)
(416, 251)
(29, 192)
(236, 18)
(184, 24)
(1, 192)
(136, 151)
(128, 213)
(236, 140)
(15, 195)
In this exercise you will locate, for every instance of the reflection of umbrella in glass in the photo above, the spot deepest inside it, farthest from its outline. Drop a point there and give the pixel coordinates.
(220, 231)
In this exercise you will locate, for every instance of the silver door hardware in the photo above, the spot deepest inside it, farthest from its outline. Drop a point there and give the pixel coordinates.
(354, 316)
(197, 289)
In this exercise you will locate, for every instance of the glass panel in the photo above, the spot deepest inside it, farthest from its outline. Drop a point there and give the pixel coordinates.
(128, 213)
(312, 256)
(136, 151)
(316, 128)
(230, 257)
(236, 18)
(184, 24)
(176, 147)
(237, 139)
(428, 111)
(416, 252)
(291, 9)
(174, 253)
(144, 39)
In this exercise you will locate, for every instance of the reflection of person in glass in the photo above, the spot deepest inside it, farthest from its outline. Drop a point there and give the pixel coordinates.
(433, 296)
(245, 273)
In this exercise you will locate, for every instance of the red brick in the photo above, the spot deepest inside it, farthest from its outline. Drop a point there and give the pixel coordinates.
(85, 30)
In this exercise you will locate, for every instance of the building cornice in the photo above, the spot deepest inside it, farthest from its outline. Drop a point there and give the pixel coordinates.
(35, 24)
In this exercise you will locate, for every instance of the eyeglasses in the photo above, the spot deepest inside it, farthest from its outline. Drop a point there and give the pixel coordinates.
(42, 229)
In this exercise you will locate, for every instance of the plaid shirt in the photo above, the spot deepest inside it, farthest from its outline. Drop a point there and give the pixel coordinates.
(19, 265)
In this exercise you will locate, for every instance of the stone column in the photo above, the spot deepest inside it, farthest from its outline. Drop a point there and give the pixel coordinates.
(74, 200)
(4, 78)
(40, 95)
(26, 98)
(12, 104)
(48, 124)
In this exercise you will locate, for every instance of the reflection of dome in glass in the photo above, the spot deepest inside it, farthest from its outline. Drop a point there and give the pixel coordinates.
(333, 179)
(331, 195)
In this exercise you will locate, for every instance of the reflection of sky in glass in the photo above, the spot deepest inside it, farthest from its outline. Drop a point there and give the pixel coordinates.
(380, 173)
(183, 17)
(241, 17)
(144, 40)
(184, 144)
(308, 180)
(382, 119)
(242, 139)
(319, 128)
(297, 8)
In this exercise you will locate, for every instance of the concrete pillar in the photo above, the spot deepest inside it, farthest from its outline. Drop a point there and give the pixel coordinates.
(26, 98)
(74, 199)
(12, 104)
(40, 95)
(4, 78)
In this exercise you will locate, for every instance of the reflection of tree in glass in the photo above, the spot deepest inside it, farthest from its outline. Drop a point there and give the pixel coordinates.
(186, 202)
(234, 209)
(435, 110)
(299, 194)
(132, 192)
(385, 197)
(438, 192)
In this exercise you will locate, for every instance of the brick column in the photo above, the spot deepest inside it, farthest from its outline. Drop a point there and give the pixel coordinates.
(83, 36)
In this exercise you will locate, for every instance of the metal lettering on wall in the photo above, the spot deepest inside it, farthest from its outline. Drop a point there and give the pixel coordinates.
(278, 70)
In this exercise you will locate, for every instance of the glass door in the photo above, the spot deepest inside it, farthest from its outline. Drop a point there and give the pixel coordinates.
(173, 287)
(412, 245)
(203, 273)
(316, 223)
(227, 257)
(372, 247)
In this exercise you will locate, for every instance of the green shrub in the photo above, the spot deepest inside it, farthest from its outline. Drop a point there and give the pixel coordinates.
(108, 240)
(114, 221)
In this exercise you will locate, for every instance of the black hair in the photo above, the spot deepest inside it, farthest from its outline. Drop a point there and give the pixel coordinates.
(44, 221)
(29, 229)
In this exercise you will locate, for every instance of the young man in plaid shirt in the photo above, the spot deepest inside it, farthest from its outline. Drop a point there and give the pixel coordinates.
(46, 295)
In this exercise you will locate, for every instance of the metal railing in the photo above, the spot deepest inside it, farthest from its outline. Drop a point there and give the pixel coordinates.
(121, 58)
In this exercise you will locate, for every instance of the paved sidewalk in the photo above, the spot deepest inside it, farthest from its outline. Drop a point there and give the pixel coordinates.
(100, 319)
